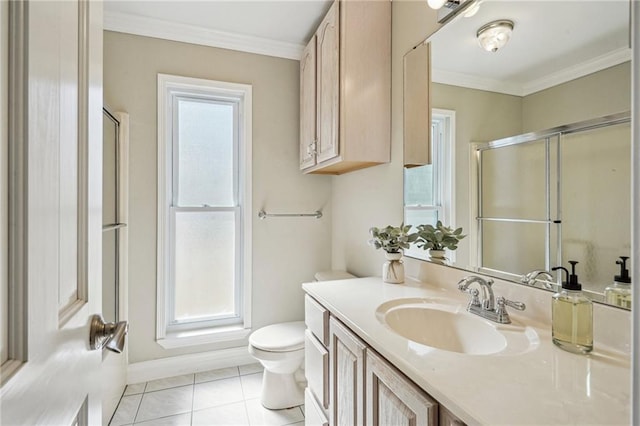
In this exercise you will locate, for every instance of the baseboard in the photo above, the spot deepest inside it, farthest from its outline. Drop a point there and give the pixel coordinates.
(145, 371)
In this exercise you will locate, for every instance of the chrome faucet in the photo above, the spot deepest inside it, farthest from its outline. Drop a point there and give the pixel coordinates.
(531, 277)
(488, 299)
(486, 308)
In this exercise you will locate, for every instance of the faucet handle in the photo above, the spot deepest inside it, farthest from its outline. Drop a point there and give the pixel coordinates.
(502, 316)
(515, 305)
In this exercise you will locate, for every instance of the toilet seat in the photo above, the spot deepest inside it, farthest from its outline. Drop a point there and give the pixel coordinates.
(283, 337)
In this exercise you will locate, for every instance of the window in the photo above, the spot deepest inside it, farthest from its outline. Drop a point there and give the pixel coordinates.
(428, 189)
(204, 206)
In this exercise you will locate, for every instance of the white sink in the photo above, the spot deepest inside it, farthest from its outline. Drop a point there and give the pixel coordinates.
(438, 324)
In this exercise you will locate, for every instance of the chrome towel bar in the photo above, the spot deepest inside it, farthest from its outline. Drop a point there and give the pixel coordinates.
(263, 215)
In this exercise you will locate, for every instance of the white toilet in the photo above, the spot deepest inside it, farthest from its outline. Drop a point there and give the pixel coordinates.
(280, 350)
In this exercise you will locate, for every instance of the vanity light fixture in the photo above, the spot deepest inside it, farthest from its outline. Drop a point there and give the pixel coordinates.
(472, 10)
(447, 9)
(436, 4)
(495, 34)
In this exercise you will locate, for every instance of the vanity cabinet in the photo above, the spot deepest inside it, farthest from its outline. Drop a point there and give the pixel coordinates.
(346, 379)
(345, 89)
(391, 399)
(350, 384)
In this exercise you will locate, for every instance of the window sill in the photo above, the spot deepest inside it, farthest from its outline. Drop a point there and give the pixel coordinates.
(202, 337)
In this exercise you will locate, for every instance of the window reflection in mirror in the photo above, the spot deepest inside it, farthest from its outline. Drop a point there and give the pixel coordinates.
(429, 189)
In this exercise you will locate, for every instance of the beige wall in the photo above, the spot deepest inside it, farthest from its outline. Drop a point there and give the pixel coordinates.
(602, 93)
(374, 196)
(286, 252)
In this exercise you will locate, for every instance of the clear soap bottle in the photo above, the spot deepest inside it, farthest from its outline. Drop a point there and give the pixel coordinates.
(619, 293)
(572, 315)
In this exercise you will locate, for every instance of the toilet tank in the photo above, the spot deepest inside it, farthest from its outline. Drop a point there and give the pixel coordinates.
(333, 275)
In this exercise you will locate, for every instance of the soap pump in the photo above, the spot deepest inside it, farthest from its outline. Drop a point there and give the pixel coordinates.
(619, 293)
(572, 315)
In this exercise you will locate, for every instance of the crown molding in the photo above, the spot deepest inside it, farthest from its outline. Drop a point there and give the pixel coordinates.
(582, 69)
(475, 82)
(157, 28)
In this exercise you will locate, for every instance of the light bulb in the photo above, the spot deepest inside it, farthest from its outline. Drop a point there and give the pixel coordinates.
(436, 4)
(472, 10)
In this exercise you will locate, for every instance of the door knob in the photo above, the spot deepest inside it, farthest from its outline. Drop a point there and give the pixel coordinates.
(110, 335)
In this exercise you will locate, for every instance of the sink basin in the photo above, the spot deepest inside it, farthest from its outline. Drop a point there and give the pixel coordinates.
(448, 327)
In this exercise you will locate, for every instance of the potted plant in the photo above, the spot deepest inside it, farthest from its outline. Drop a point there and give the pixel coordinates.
(392, 239)
(438, 238)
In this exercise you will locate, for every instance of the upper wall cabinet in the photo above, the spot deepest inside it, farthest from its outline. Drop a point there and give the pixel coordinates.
(345, 89)
(417, 113)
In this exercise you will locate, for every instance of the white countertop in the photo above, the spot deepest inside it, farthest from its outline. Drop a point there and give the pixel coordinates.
(544, 386)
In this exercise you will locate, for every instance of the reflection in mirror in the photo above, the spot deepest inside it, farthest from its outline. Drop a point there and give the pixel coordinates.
(522, 198)
(571, 72)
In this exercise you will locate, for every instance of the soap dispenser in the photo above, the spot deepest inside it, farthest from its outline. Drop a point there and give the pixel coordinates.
(619, 293)
(572, 315)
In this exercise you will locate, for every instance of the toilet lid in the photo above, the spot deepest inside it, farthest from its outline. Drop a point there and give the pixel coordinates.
(286, 336)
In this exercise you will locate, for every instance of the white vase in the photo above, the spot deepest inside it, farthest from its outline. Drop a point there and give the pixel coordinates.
(393, 269)
(437, 256)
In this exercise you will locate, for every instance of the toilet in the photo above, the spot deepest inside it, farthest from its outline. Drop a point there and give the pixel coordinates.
(280, 350)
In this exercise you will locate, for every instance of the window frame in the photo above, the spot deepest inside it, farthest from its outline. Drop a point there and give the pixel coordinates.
(171, 89)
(443, 125)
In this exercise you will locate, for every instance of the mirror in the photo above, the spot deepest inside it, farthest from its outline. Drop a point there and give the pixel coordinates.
(514, 124)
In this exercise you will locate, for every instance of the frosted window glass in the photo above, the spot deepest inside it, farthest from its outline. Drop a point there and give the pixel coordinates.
(417, 217)
(204, 265)
(418, 184)
(205, 154)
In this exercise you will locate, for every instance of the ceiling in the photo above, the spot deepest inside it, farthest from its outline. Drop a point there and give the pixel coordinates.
(276, 28)
(552, 42)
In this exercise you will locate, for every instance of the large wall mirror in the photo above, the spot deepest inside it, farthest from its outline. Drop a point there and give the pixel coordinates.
(530, 143)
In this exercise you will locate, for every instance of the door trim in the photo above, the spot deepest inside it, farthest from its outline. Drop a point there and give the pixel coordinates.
(17, 188)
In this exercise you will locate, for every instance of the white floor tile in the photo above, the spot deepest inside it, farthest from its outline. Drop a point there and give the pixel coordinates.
(179, 420)
(260, 416)
(250, 368)
(224, 415)
(251, 385)
(126, 412)
(170, 382)
(218, 392)
(165, 403)
(227, 396)
(223, 373)
(134, 389)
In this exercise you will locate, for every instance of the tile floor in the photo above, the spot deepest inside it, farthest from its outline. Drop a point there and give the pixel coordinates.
(229, 396)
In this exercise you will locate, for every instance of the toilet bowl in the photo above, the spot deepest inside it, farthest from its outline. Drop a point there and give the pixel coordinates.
(280, 350)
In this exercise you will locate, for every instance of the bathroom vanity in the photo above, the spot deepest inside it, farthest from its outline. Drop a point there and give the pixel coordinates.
(367, 362)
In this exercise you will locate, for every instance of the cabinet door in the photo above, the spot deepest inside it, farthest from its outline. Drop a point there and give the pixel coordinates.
(346, 376)
(328, 85)
(308, 105)
(391, 399)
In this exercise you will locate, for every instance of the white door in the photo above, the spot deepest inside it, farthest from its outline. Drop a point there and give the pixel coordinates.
(55, 144)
